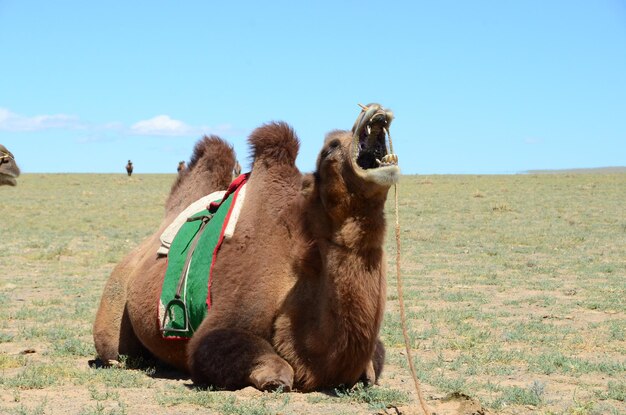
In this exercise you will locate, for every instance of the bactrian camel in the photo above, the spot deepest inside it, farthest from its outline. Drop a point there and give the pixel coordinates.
(298, 294)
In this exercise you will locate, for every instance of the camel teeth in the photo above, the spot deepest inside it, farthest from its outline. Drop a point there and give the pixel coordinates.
(389, 160)
(379, 162)
(369, 130)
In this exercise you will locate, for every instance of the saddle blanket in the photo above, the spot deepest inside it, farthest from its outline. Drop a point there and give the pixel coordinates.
(191, 244)
(170, 232)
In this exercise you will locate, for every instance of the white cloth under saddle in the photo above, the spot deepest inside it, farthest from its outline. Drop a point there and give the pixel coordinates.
(199, 205)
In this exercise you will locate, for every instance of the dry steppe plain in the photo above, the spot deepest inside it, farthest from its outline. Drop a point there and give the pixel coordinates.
(515, 287)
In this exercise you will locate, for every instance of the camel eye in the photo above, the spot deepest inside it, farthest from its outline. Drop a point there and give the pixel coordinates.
(330, 147)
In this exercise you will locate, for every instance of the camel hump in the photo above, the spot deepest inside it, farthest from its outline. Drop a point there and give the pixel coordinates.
(211, 148)
(275, 142)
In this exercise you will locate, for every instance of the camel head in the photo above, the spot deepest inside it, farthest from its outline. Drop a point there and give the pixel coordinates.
(360, 161)
(355, 170)
(8, 168)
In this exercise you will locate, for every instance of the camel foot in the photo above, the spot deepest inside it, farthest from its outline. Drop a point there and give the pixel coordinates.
(273, 374)
(113, 363)
(99, 363)
(374, 367)
(369, 376)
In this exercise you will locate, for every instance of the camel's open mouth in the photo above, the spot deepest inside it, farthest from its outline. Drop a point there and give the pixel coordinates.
(372, 155)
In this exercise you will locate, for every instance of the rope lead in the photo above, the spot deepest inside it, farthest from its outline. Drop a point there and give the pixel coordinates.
(407, 344)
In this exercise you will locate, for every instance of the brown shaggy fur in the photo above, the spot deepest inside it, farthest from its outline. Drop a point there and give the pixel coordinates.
(298, 293)
(8, 167)
(209, 168)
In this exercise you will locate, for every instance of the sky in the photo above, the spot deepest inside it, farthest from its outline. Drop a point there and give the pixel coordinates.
(477, 87)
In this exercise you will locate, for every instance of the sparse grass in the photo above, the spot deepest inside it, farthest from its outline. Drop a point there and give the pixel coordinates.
(103, 396)
(616, 390)
(40, 376)
(548, 363)
(178, 395)
(73, 347)
(263, 406)
(532, 395)
(540, 258)
(375, 398)
(39, 409)
(225, 402)
(101, 409)
(505, 277)
(120, 378)
(617, 330)
(11, 361)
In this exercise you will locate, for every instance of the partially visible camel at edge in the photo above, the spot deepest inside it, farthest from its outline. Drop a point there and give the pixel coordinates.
(9, 171)
(129, 168)
(298, 293)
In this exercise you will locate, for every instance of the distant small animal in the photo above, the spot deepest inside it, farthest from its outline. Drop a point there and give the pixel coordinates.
(8, 167)
(181, 166)
(237, 169)
(129, 167)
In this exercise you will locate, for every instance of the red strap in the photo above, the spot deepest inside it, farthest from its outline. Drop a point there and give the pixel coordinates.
(234, 187)
(213, 206)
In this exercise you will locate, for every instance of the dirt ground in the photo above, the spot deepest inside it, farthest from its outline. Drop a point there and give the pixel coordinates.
(515, 289)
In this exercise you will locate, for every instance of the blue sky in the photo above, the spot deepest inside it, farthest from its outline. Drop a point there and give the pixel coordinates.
(476, 87)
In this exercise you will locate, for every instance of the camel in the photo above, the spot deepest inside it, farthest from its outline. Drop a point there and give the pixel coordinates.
(9, 171)
(181, 166)
(298, 294)
(237, 169)
(129, 168)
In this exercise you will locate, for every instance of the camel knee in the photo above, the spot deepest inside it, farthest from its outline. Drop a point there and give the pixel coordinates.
(114, 336)
(106, 337)
(106, 349)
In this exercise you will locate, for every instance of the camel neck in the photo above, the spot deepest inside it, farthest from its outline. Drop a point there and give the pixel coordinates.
(352, 270)
(353, 279)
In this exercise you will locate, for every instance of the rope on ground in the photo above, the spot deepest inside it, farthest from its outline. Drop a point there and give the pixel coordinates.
(407, 342)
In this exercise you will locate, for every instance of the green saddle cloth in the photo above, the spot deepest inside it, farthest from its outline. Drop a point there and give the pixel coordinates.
(180, 316)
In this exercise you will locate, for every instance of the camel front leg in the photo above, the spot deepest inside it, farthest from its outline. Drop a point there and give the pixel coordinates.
(234, 358)
(112, 332)
(374, 366)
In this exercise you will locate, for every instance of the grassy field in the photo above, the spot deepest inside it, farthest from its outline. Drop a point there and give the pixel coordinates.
(515, 288)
